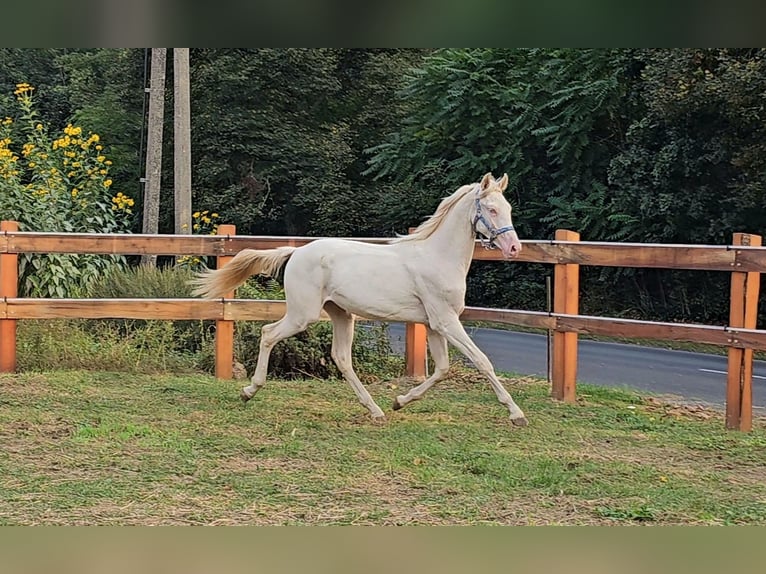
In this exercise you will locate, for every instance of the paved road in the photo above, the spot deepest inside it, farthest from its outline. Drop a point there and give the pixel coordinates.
(694, 377)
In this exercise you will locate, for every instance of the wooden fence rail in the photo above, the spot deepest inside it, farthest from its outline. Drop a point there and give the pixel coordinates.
(745, 259)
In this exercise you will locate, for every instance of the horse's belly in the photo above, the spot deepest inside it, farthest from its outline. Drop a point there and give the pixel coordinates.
(382, 310)
(384, 293)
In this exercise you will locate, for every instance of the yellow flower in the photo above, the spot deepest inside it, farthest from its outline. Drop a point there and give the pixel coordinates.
(7, 121)
(32, 164)
(107, 162)
(214, 215)
(94, 138)
(102, 171)
(22, 89)
(107, 183)
(28, 147)
(99, 148)
(70, 130)
(39, 127)
(75, 191)
(195, 215)
(100, 158)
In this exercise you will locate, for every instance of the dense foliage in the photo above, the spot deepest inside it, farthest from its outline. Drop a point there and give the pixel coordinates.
(643, 145)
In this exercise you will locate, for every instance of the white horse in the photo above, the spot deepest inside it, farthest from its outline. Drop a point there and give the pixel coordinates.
(418, 278)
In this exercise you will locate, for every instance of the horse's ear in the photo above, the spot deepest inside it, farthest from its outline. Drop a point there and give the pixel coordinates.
(486, 180)
(503, 183)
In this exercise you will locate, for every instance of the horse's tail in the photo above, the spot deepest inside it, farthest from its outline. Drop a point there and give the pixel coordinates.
(214, 284)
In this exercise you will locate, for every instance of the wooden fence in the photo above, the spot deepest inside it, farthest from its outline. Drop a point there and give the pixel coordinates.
(745, 259)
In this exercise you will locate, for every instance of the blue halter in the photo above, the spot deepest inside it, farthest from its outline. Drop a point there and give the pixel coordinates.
(494, 232)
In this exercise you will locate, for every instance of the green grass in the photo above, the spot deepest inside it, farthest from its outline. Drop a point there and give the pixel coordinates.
(113, 448)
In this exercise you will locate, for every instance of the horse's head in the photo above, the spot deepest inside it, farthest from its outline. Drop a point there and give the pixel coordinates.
(492, 216)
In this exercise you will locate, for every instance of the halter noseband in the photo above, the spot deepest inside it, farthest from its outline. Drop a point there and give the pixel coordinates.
(494, 232)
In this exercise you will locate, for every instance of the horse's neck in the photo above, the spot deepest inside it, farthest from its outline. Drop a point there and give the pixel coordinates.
(453, 240)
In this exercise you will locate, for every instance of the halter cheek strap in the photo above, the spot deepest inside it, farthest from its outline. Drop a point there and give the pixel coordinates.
(494, 232)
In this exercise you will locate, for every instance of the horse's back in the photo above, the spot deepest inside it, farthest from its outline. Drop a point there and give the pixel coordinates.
(372, 280)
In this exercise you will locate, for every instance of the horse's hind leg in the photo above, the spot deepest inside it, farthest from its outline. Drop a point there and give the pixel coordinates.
(437, 345)
(342, 338)
(303, 308)
(271, 334)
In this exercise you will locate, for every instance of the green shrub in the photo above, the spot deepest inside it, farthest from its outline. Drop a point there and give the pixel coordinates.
(148, 282)
(308, 354)
(79, 344)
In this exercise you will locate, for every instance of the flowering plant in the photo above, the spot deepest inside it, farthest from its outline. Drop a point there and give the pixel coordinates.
(57, 183)
(203, 223)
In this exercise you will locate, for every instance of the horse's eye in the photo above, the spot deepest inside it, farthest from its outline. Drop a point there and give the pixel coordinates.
(492, 211)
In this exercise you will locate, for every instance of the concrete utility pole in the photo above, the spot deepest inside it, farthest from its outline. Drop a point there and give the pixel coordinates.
(182, 141)
(154, 148)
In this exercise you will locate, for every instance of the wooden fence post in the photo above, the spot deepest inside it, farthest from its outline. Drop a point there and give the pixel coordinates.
(224, 329)
(9, 288)
(415, 347)
(743, 313)
(566, 297)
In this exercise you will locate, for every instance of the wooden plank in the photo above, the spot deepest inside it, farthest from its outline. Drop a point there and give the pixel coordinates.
(634, 329)
(115, 243)
(572, 307)
(751, 258)
(559, 341)
(747, 338)
(224, 329)
(161, 309)
(9, 285)
(253, 310)
(537, 319)
(259, 310)
(735, 356)
(699, 257)
(750, 316)
(415, 347)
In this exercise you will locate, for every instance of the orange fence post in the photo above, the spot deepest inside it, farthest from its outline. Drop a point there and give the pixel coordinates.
(9, 288)
(566, 300)
(224, 329)
(743, 313)
(415, 347)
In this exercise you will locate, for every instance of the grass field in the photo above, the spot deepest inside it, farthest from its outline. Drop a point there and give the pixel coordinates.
(112, 448)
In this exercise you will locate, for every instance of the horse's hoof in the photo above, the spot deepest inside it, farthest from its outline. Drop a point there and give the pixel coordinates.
(244, 396)
(397, 405)
(381, 420)
(520, 422)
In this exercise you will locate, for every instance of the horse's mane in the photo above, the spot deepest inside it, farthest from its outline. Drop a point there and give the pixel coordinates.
(427, 228)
